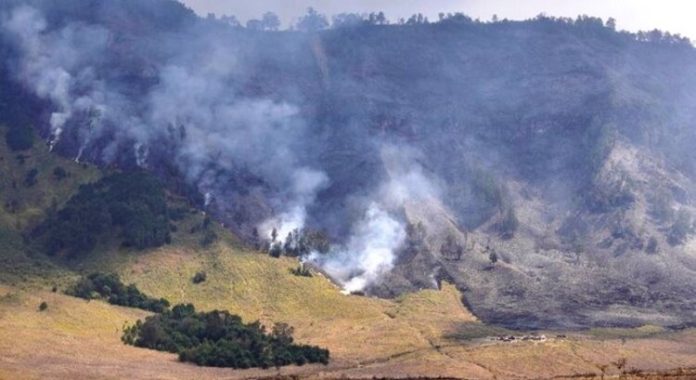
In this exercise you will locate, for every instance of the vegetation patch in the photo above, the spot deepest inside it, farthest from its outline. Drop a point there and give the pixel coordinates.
(110, 288)
(132, 203)
(220, 339)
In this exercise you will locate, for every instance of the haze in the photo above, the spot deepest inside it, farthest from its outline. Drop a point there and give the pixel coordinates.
(632, 15)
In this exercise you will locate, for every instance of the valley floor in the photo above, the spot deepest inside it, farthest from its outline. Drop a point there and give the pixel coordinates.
(426, 334)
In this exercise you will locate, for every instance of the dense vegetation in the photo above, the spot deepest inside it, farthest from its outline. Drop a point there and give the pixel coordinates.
(110, 288)
(220, 339)
(19, 138)
(131, 203)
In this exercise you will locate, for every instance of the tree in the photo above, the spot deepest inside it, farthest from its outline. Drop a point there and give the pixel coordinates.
(20, 138)
(270, 21)
(451, 249)
(199, 277)
(231, 20)
(313, 21)
(345, 20)
(493, 257)
(254, 24)
(59, 173)
(30, 178)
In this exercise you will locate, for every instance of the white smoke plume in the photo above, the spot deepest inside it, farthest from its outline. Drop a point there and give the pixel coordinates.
(209, 126)
(369, 253)
(194, 105)
(376, 238)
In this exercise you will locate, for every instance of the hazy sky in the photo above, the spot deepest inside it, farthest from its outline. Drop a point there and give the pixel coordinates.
(677, 16)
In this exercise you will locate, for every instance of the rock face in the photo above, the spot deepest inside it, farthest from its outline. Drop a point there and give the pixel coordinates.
(554, 161)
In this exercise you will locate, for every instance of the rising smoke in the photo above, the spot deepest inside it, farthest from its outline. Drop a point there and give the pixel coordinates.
(197, 110)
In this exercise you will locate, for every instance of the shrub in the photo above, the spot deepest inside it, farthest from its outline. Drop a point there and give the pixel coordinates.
(110, 288)
(301, 271)
(59, 173)
(209, 237)
(493, 257)
(20, 138)
(30, 178)
(199, 277)
(220, 339)
(43, 306)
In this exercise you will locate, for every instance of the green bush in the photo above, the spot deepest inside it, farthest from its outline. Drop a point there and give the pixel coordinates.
(220, 339)
(199, 277)
(110, 288)
(30, 178)
(301, 271)
(43, 306)
(19, 138)
(59, 173)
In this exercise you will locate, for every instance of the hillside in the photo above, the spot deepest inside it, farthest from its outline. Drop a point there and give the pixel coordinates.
(427, 333)
(466, 199)
(555, 154)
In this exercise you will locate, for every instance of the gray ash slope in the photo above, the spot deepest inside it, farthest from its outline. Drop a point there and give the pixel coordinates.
(546, 167)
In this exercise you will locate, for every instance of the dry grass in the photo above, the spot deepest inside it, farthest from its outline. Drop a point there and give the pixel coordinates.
(409, 336)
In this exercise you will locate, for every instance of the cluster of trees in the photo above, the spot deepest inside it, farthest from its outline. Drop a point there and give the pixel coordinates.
(220, 339)
(110, 288)
(133, 203)
(19, 138)
(297, 243)
(314, 21)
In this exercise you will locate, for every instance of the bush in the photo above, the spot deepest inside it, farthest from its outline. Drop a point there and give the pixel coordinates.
(493, 257)
(30, 178)
(199, 277)
(301, 271)
(20, 138)
(209, 237)
(43, 306)
(110, 288)
(59, 173)
(220, 339)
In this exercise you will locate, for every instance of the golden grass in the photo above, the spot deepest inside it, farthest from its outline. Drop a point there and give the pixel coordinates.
(256, 286)
(408, 336)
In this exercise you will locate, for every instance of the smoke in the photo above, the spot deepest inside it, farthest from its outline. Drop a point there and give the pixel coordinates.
(195, 109)
(53, 66)
(380, 234)
(369, 253)
(199, 115)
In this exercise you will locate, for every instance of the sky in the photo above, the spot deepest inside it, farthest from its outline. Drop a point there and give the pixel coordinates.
(676, 16)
